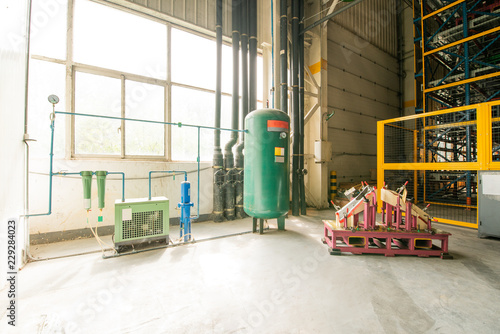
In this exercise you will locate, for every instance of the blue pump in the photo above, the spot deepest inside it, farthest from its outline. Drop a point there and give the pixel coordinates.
(185, 206)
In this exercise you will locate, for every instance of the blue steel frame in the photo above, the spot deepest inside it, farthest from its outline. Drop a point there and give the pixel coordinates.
(423, 39)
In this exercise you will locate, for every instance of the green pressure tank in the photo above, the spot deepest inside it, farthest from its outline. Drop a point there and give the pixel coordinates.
(267, 168)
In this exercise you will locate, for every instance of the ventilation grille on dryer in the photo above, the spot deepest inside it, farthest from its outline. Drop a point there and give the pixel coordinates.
(143, 224)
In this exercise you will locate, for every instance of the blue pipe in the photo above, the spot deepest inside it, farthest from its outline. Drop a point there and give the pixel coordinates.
(51, 173)
(179, 124)
(198, 194)
(164, 172)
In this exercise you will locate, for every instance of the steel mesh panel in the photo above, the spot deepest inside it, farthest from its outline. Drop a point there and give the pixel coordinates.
(400, 139)
(143, 224)
(451, 137)
(444, 191)
(495, 133)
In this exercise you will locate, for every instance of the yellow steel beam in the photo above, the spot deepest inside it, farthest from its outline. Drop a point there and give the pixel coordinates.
(449, 125)
(495, 103)
(494, 166)
(484, 144)
(432, 166)
(380, 161)
(429, 114)
(399, 127)
(456, 222)
(456, 205)
(415, 134)
(449, 45)
(462, 82)
(442, 9)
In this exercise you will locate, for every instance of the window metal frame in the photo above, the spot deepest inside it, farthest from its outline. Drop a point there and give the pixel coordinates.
(73, 67)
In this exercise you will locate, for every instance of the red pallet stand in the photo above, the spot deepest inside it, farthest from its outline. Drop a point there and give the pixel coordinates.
(382, 240)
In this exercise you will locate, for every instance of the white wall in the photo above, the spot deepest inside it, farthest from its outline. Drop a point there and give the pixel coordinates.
(67, 206)
(12, 104)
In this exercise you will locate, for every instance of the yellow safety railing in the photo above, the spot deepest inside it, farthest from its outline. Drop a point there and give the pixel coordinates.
(417, 146)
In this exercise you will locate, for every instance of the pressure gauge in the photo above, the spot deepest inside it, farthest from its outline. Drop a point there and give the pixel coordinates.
(53, 99)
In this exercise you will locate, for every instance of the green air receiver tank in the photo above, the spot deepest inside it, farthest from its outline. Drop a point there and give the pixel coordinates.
(267, 168)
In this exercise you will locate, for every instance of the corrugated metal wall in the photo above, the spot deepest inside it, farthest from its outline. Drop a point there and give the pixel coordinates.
(202, 14)
(363, 88)
(198, 12)
(374, 21)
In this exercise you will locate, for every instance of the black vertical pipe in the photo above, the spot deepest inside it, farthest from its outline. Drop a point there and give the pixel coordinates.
(218, 202)
(228, 152)
(295, 110)
(283, 55)
(239, 161)
(252, 7)
(301, 111)
(244, 78)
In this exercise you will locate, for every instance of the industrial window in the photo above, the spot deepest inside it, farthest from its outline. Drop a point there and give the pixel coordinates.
(118, 97)
(113, 39)
(96, 94)
(193, 93)
(115, 64)
(193, 106)
(123, 55)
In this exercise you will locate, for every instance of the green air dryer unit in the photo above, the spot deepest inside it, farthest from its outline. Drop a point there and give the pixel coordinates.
(141, 220)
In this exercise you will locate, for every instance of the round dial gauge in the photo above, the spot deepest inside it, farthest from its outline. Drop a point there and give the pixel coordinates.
(53, 99)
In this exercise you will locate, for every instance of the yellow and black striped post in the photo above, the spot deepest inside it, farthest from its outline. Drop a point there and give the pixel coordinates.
(333, 185)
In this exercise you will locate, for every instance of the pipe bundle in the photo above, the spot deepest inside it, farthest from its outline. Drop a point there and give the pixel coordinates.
(228, 168)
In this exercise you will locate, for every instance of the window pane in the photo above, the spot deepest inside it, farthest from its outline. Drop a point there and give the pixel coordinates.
(45, 78)
(226, 118)
(198, 108)
(193, 60)
(98, 95)
(260, 78)
(48, 28)
(110, 38)
(144, 101)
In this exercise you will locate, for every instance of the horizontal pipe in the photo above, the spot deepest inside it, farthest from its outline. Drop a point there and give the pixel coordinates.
(165, 172)
(108, 173)
(148, 121)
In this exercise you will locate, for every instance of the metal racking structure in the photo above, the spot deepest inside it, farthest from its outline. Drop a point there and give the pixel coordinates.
(457, 64)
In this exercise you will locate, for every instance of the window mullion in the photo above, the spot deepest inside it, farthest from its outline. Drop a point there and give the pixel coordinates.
(122, 127)
(70, 84)
(168, 96)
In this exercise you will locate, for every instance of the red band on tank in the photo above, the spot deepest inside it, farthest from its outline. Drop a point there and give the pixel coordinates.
(277, 124)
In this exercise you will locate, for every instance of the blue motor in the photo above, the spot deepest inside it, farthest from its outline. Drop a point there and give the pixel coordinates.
(185, 206)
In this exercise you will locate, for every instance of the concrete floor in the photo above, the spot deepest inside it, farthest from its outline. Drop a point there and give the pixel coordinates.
(279, 282)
